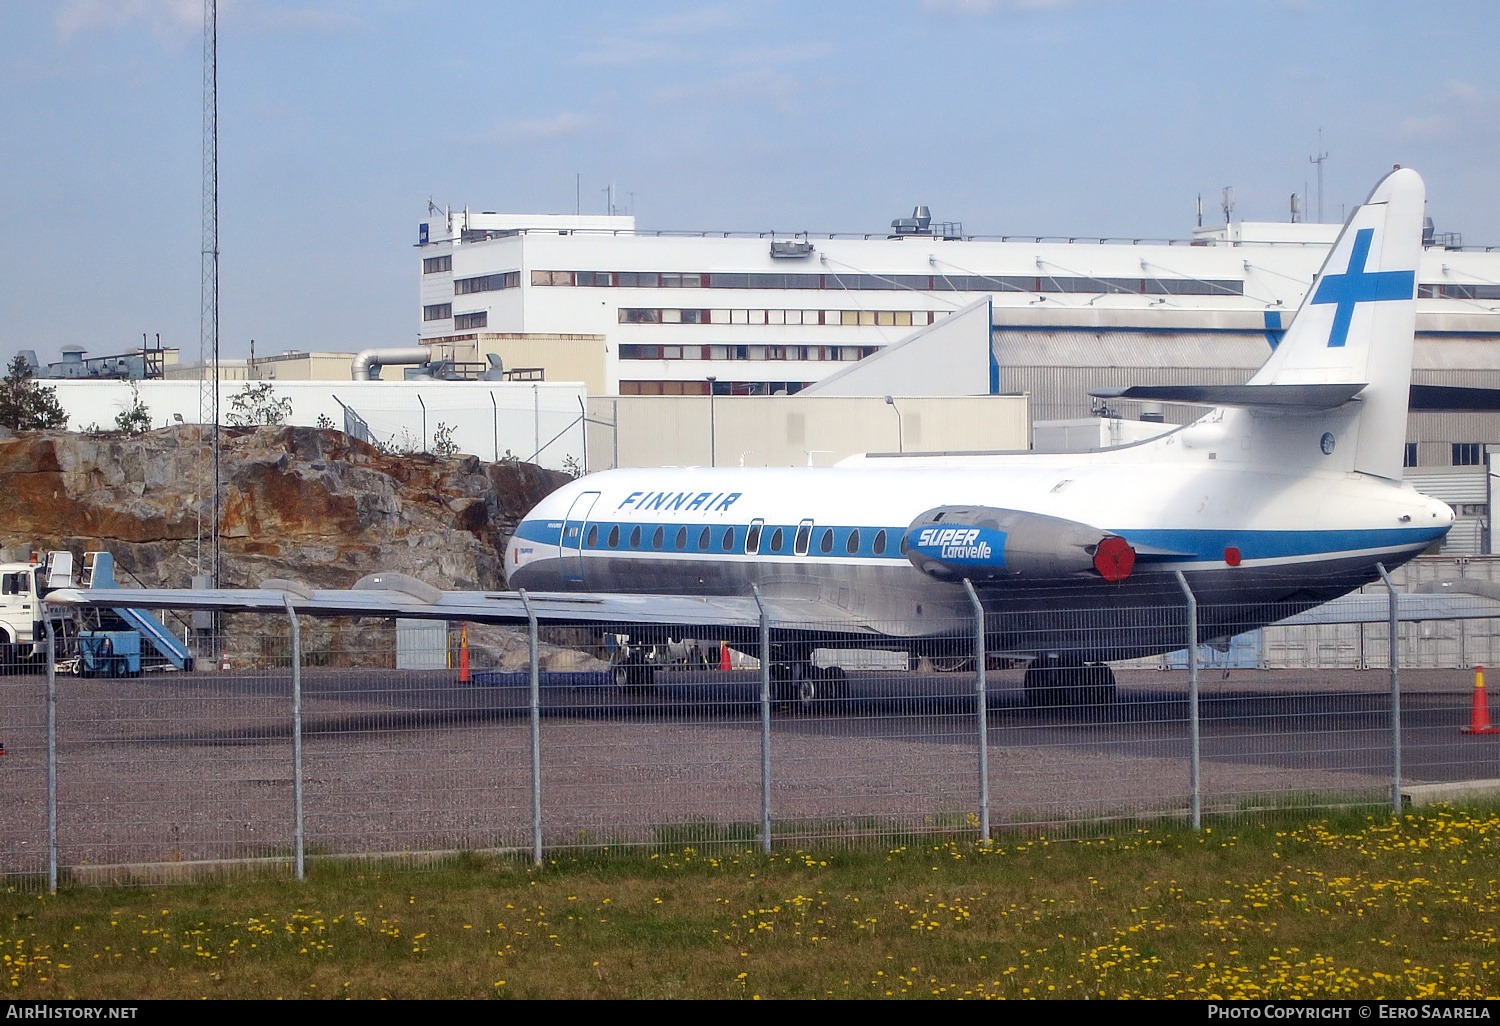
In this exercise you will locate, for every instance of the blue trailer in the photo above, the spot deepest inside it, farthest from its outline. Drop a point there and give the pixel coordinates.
(109, 654)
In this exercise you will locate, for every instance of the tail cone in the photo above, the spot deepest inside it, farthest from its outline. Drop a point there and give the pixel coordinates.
(1479, 719)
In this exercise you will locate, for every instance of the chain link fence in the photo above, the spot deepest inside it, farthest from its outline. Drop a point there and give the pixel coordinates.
(426, 738)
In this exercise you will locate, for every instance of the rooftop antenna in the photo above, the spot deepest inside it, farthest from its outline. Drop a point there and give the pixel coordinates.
(1200, 210)
(1226, 201)
(578, 194)
(1295, 211)
(208, 306)
(1318, 160)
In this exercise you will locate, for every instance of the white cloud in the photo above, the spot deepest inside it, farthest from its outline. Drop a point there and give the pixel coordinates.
(170, 17)
(176, 19)
(980, 7)
(568, 122)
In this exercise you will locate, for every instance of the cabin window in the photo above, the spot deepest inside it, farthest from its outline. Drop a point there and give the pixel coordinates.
(826, 544)
(752, 537)
(635, 536)
(852, 545)
(681, 538)
(879, 546)
(656, 539)
(703, 539)
(804, 535)
(614, 536)
(593, 536)
(729, 539)
(776, 540)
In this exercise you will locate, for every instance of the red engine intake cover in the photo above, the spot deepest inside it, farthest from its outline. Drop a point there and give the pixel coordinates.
(1114, 559)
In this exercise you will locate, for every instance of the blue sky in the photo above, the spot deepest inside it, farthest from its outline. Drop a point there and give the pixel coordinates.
(339, 120)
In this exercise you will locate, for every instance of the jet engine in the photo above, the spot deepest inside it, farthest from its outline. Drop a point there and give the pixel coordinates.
(984, 544)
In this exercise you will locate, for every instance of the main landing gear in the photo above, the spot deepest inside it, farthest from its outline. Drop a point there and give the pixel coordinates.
(1058, 679)
(799, 686)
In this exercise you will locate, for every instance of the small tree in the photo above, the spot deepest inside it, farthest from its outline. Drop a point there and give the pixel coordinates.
(135, 419)
(25, 405)
(256, 404)
(442, 441)
(325, 422)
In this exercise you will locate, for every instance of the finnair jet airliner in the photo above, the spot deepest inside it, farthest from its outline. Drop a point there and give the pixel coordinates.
(1286, 495)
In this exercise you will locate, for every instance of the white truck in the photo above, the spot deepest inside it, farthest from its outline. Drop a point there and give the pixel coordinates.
(23, 637)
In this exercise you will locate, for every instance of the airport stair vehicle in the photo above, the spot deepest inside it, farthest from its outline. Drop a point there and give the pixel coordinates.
(99, 572)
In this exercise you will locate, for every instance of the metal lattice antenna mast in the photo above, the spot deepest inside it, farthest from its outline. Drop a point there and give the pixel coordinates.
(208, 311)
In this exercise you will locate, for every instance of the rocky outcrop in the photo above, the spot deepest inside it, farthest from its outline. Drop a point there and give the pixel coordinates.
(299, 503)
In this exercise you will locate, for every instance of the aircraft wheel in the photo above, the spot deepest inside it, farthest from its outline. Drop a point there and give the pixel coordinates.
(952, 663)
(634, 676)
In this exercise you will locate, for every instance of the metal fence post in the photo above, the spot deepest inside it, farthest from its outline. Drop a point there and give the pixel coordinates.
(298, 837)
(765, 722)
(51, 751)
(536, 734)
(982, 711)
(1194, 779)
(1395, 692)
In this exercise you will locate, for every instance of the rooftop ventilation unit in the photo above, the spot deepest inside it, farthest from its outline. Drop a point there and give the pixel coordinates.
(920, 223)
(787, 249)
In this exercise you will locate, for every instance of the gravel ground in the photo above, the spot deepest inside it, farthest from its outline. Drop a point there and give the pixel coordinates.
(183, 767)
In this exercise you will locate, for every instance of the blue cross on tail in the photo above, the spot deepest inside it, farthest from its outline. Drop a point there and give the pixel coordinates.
(1356, 285)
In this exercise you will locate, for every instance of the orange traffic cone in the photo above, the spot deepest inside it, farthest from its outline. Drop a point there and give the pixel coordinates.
(724, 663)
(463, 654)
(1479, 719)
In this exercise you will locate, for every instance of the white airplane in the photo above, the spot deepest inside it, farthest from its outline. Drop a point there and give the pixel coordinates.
(1283, 497)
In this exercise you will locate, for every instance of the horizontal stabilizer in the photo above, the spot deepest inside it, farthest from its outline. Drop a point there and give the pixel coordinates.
(1267, 397)
(1453, 399)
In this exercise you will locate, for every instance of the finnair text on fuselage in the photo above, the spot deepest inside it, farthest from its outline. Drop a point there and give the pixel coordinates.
(687, 502)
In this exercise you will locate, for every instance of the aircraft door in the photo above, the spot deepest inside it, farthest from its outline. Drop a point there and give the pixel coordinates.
(573, 534)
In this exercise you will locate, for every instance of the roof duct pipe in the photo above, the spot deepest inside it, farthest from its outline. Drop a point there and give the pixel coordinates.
(367, 364)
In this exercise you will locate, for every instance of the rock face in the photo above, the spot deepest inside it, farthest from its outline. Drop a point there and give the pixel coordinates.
(299, 503)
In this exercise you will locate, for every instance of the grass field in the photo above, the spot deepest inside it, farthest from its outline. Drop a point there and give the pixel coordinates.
(1349, 906)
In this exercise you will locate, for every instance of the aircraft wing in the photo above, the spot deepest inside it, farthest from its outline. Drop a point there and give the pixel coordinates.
(1441, 603)
(394, 595)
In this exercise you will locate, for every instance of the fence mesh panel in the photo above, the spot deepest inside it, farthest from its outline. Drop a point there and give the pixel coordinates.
(417, 736)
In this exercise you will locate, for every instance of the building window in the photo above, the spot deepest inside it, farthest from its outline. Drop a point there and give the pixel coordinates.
(437, 312)
(472, 320)
(432, 265)
(938, 283)
(1468, 454)
(1410, 460)
(487, 283)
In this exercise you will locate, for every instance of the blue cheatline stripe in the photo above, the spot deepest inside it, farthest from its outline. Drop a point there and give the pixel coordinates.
(1208, 545)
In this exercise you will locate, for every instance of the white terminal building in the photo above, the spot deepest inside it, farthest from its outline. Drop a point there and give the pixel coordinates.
(631, 313)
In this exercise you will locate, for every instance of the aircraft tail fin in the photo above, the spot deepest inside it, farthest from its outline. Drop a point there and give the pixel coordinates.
(1356, 323)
